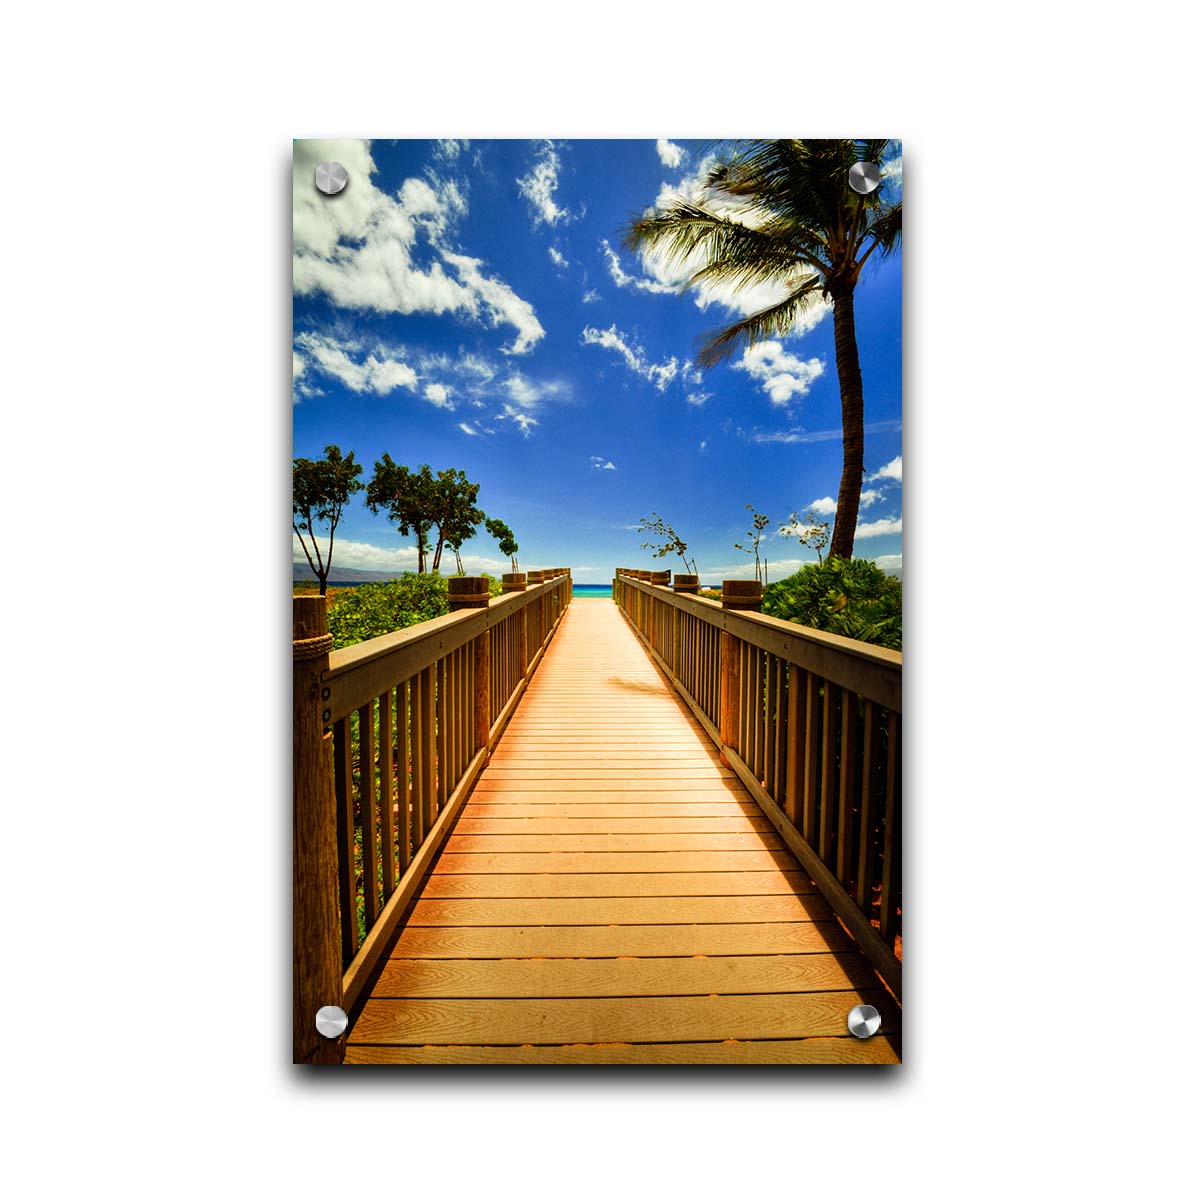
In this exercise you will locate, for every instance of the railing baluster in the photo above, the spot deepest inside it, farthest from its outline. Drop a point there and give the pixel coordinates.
(366, 807)
(828, 771)
(343, 785)
(812, 744)
(846, 793)
(889, 892)
(864, 872)
(387, 791)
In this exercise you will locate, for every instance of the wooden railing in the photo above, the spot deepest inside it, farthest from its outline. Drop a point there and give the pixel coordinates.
(809, 721)
(389, 738)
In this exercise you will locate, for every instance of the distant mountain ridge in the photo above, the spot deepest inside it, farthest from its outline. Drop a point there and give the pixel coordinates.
(302, 571)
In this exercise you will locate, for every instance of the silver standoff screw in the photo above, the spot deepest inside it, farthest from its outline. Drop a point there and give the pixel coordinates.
(864, 1020)
(332, 1021)
(331, 177)
(864, 178)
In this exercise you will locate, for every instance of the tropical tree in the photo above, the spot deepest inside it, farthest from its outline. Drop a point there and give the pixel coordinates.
(455, 514)
(321, 488)
(755, 535)
(504, 536)
(669, 541)
(410, 499)
(808, 531)
(783, 213)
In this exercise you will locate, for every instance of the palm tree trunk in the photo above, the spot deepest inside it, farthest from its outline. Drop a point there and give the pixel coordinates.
(850, 382)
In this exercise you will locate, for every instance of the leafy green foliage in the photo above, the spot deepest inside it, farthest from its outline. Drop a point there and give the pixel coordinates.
(372, 609)
(409, 497)
(504, 536)
(455, 512)
(851, 597)
(320, 490)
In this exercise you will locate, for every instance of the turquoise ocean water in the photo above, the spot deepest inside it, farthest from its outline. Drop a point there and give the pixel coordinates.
(591, 591)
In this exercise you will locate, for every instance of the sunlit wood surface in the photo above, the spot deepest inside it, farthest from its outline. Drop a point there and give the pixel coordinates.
(611, 894)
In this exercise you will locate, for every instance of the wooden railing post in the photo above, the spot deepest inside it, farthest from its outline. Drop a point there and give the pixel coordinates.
(472, 592)
(741, 594)
(316, 953)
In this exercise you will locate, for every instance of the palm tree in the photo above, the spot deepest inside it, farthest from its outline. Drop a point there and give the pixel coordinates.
(790, 218)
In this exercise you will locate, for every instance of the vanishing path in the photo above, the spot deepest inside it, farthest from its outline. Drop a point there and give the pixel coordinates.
(611, 893)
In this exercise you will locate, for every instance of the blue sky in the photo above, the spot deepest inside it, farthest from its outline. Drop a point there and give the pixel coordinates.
(470, 305)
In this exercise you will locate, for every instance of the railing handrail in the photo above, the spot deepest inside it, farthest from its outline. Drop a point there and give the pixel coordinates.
(359, 672)
(874, 672)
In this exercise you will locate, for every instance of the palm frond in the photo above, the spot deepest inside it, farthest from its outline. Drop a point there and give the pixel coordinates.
(769, 322)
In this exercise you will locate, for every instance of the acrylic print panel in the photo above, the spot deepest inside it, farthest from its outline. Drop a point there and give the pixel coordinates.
(597, 599)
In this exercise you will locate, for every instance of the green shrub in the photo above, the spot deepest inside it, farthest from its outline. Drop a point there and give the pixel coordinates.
(373, 609)
(852, 597)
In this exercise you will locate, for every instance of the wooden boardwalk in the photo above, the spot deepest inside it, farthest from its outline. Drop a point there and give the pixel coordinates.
(611, 894)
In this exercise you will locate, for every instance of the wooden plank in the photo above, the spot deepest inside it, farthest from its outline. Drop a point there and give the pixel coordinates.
(633, 941)
(607, 843)
(493, 805)
(655, 862)
(677, 883)
(563, 977)
(619, 910)
(490, 783)
(843, 1051)
(740, 823)
(637, 772)
(629, 1018)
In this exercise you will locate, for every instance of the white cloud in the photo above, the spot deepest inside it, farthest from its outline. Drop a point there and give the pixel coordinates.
(692, 373)
(599, 463)
(826, 506)
(704, 444)
(870, 496)
(800, 436)
(696, 399)
(468, 429)
(893, 470)
(363, 556)
(522, 420)
(623, 280)
(890, 562)
(526, 398)
(659, 374)
(669, 154)
(591, 296)
(505, 305)
(891, 173)
(448, 149)
(375, 371)
(781, 374)
(880, 528)
(539, 186)
(368, 249)
(438, 394)
(556, 257)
